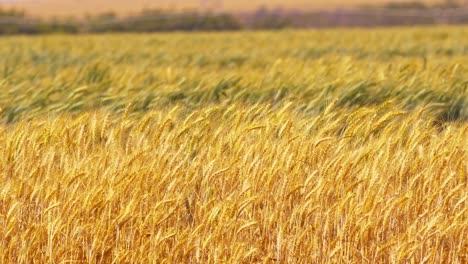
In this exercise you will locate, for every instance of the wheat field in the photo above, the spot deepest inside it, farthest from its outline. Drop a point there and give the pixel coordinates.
(338, 146)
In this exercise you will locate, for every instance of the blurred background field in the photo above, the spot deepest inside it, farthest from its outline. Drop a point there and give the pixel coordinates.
(413, 66)
(53, 16)
(49, 8)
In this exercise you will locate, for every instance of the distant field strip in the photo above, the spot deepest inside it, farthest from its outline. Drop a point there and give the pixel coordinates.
(51, 8)
(273, 147)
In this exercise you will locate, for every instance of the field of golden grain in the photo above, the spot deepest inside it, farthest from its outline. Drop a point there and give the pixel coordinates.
(283, 147)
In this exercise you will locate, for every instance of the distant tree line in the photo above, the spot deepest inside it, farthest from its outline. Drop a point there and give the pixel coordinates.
(420, 5)
(14, 22)
(393, 14)
(156, 20)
